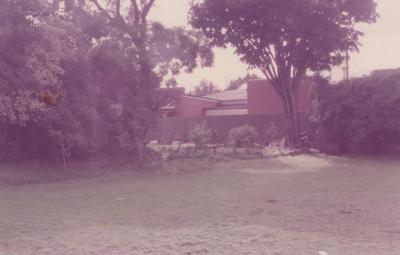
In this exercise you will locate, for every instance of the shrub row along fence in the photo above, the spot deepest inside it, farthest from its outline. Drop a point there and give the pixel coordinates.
(167, 130)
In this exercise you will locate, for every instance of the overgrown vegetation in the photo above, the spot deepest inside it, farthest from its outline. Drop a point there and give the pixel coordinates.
(285, 39)
(244, 136)
(80, 78)
(200, 135)
(361, 116)
(272, 133)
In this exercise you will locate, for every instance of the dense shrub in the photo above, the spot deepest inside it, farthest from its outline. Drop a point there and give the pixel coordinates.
(200, 135)
(361, 116)
(74, 86)
(244, 136)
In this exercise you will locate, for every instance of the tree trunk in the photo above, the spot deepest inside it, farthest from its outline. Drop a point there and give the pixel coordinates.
(146, 93)
(3, 134)
(292, 116)
(63, 155)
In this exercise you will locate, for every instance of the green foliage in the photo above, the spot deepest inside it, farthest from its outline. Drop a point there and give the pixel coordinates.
(272, 133)
(200, 135)
(361, 116)
(205, 88)
(32, 47)
(284, 38)
(244, 136)
(174, 50)
(315, 34)
(165, 51)
(79, 79)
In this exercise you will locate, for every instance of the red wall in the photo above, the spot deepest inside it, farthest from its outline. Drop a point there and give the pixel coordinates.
(262, 98)
(192, 107)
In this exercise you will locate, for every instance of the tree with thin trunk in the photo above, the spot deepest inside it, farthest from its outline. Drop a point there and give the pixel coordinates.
(285, 38)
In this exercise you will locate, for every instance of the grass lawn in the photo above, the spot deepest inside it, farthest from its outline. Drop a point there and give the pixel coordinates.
(291, 205)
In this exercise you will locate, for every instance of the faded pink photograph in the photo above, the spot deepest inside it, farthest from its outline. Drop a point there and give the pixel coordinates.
(199, 127)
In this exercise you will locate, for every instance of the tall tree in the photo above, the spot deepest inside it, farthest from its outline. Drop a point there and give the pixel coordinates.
(162, 53)
(130, 57)
(166, 51)
(285, 38)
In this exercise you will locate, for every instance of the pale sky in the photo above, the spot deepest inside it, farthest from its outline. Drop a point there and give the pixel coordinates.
(380, 45)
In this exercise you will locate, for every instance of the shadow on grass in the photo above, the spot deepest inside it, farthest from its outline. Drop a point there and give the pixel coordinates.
(24, 173)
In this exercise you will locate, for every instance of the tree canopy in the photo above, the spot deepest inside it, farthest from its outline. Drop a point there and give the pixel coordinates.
(358, 116)
(168, 51)
(79, 77)
(32, 47)
(285, 38)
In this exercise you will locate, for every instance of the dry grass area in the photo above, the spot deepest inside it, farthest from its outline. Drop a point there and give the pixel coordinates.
(291, 205)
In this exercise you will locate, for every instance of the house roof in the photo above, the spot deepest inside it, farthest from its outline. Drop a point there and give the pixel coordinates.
(238, 94)
(201, 98)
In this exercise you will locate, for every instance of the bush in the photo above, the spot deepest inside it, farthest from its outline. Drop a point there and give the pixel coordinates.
(200, 135)
(244, 136)
(358, 117)
(272, 133)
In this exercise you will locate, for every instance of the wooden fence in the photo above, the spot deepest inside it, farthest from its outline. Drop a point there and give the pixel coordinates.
(170, 129)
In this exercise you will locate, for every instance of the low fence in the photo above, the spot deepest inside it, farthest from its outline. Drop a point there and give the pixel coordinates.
(170, 129)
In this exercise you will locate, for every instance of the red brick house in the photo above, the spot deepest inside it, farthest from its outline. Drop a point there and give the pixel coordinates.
(259, 98)
(262, 98)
